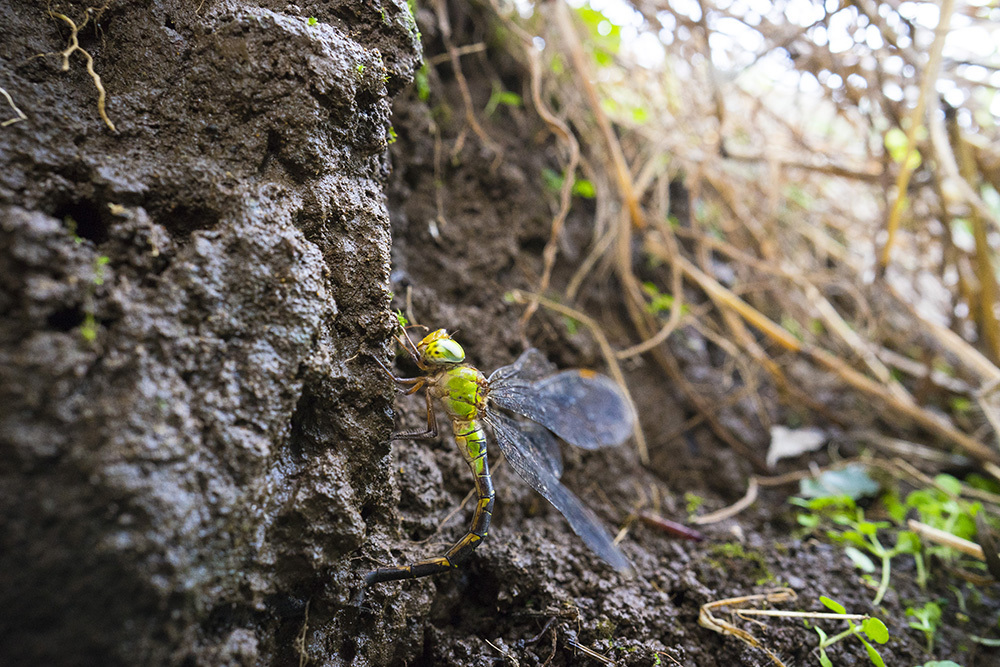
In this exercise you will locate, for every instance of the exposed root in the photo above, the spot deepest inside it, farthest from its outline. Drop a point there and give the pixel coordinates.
(74, 45)
(707, 620)
(444, 23)
(20, 114)
(731, 222)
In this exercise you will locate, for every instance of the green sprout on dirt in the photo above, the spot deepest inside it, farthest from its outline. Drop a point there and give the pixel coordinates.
(734, 551)
(658, 301)
(869, 628)
(928, 619)
(939, 506)
(360, 68)
(852, 529)
(401, 319)
(693, 503)
(866, 628)
(500, 96)
(99, 265)
(88, 329)
(311, 21)
(581, 186)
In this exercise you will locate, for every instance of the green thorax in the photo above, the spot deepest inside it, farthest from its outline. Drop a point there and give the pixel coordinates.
(462, 391)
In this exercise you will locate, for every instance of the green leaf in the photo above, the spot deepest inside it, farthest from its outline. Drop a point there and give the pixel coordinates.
(907, 542)
(949, 483)
(960, 404)
(311, 21)
(509, 98)
(875, 629)
(553, 179)
(874, 656)
(860, 559)
(824, 659)
(584, 188)
(897, 145)
(422, 83)
(832, 605)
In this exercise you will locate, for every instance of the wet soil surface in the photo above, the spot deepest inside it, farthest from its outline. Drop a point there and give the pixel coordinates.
(195, 456)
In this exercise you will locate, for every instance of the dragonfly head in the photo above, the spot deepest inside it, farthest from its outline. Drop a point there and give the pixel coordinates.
(438, 349)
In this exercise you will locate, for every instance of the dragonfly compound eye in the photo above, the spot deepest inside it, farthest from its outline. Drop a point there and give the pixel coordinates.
(445, 351)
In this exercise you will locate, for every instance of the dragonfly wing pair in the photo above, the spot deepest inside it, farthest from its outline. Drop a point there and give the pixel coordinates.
(583, 408)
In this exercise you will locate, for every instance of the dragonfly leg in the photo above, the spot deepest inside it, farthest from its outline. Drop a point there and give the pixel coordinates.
(418, 382)
(465, 546)
(421, 434)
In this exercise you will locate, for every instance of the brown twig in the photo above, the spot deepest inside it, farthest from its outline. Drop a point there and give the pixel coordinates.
(916, 119)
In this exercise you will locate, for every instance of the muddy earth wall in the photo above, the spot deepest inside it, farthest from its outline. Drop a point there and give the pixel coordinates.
(191, 424)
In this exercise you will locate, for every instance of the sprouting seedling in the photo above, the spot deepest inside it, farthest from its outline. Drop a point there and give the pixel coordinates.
(866, 628)
(860, 535)
(928, 619)
(869, 628)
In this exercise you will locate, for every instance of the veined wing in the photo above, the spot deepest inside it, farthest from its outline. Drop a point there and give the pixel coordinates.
(531, 365)
(581, 407)
(521, 451)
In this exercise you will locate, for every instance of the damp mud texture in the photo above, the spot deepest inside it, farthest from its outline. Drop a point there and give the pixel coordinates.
(195, 455)
(192, 428)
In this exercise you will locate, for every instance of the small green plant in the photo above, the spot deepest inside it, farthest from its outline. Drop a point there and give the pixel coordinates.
(99, 264)
(928, 619)
(734, 551)
(658, 301)
(88, 329)
(581, 186)
(897, 145)
(693, 502)
(361, 68)
(401, 319)
(422, 82)
(852, 529)
(500, 96)
(311, 21)
(869, 628)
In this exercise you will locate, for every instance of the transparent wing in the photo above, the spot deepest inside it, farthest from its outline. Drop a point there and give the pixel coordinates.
(539, 442)
(521, 451)
(531, 365)
(581, 407)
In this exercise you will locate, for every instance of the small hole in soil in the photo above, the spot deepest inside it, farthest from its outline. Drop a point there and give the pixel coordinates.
(367, 511)
(86, 220)
(349, 649)
(183, 220)
(65, 319)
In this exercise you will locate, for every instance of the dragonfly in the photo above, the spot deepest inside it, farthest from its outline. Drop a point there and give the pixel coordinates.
(526, 405)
